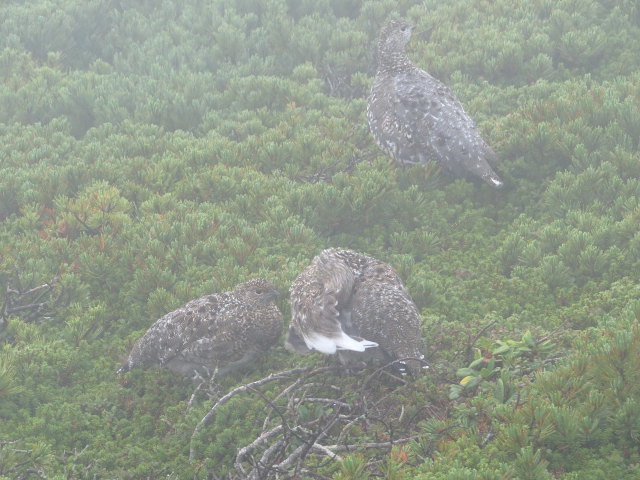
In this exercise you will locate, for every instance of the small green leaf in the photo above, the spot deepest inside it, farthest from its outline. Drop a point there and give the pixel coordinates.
(528, 339)
(463, 372)
(454, 392)
(485, 373)
(471, 382)
(466, 380)
(501, 350)
(477, 362)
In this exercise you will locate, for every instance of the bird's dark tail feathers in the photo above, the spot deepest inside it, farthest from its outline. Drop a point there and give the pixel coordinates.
(124, 368)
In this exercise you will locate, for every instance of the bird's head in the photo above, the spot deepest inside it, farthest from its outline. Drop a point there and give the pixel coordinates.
(394, 36)
(257, 291)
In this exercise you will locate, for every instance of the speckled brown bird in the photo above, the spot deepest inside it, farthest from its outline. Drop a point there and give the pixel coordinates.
(224, 331)
(347, 302)
(415, 118)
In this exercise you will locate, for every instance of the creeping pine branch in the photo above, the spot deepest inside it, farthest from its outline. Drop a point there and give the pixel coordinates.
(311, 420)
(299, 453)
(18, 470)
(242, 388)
(258, 442)
(89, 229)
(385, 445)
(29, 303)
(209, 382)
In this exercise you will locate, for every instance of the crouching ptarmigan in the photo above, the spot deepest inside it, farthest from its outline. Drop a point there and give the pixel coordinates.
(347, 302)
(224, 331)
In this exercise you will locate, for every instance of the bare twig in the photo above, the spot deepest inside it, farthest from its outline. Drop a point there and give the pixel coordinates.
(193, 396)
(30, 471)
(327, 451)
(473, 341)
(17, 300)
(21, 450)
(487, 438)
(329, 401)
(348, 448)
(384, 369)
(263, 464)
(242, 388)
(351, 423)
(311, 418)
(90, 230)
(262, 439)
(301, 451)
(303, 378)
(8, 442)
(203, 381)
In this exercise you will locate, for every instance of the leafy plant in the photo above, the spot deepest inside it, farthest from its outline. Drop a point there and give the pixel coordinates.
(502, 365)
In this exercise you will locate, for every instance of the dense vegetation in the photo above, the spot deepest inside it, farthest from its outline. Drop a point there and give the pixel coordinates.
(155, 151)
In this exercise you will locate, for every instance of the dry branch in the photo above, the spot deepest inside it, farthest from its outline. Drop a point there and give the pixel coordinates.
(242, 388)
(360, 446)
(30, 303)
(312, 416)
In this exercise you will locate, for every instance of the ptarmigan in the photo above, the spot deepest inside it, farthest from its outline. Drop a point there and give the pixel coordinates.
(224, 331)
(348, 302)
(415, 118)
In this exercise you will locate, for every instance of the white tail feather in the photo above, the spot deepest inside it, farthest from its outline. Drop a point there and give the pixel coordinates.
(343, 342)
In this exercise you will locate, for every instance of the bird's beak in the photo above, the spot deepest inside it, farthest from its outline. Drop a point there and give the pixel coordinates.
(422, 34)
(271, 297)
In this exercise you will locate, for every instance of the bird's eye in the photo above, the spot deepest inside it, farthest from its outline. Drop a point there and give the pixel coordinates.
(259, 292)
(403, 28)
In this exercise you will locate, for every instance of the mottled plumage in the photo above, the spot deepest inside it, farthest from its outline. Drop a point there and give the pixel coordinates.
(415, 118)
(223, 330)
(348, 302)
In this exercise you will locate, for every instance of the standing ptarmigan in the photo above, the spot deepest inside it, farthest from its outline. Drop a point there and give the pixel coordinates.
(348, 302)
(415, 118)
(224, 330)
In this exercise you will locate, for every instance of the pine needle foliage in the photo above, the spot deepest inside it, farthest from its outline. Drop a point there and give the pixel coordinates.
(155, 151)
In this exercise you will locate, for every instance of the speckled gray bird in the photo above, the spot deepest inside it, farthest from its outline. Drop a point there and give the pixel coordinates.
(347, 302)
(224, 331)
(415, 118)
